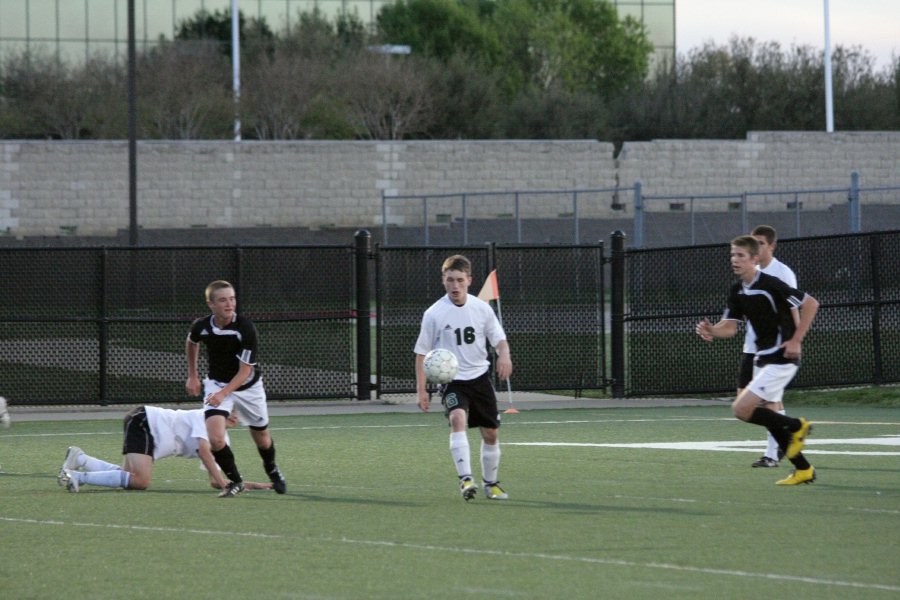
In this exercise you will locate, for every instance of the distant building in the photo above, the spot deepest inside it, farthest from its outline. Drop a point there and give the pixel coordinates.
(77, 29)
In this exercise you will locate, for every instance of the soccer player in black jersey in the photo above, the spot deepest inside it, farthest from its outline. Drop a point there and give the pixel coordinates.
(233, 383)
(767, 302)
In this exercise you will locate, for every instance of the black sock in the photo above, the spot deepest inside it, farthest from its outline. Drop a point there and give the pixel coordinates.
(780, 426)
(225, 459)
(268, 456)
(800, 462)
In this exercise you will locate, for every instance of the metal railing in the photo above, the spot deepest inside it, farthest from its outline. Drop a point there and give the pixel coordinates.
(514, 199)
(795, 213)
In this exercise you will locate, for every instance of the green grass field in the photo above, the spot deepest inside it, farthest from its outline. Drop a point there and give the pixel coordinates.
(372, 511)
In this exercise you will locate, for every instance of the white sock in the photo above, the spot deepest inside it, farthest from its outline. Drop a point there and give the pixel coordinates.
(772, 445)
(89, 463)
(459, 450)
(490, 462)
(113, 479)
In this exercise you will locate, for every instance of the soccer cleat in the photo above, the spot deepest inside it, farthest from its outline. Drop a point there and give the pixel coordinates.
(493, 491)
(798, 439)
(70, 483)
(765, 462)
(4, 414)
(799, 476)
(70, 463)
(467, 488)
(232, 489)
(278, 482)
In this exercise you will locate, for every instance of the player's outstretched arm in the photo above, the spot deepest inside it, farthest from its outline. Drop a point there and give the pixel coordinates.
(725, 328)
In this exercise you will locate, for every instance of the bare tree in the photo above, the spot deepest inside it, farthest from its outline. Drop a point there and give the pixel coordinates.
(278, 95)
(184, 91)
(387, 97)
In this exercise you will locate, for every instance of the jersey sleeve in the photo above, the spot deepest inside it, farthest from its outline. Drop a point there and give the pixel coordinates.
(249, 343)
(425, 341)
(196, 328)
(791, 295)
(493, 331)
(198, 424)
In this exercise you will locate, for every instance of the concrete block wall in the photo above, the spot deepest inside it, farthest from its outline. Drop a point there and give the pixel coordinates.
(770, 160)
(81, 187)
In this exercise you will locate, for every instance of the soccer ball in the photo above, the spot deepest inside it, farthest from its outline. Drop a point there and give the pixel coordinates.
(440, 366)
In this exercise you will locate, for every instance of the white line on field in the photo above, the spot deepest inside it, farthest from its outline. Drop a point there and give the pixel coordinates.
(481, 552)
(441, 423)
(738, 446)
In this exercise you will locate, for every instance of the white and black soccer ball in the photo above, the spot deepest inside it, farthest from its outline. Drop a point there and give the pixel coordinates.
(440, 366)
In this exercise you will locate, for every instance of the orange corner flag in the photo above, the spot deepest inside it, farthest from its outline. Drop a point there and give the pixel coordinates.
(490, 290)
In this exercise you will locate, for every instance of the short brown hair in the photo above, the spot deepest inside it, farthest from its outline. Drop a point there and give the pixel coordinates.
(215, 286)
(766, 231)
(748, 243)
(457, 262)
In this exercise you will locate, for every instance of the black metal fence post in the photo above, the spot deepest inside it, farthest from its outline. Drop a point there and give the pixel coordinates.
(103, 342)
(877, 358)
(617, 314)
(363, 320)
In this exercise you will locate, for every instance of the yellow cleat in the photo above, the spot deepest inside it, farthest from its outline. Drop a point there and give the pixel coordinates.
(798, 439)
(799, 476)
(493, 491)
(467, 488)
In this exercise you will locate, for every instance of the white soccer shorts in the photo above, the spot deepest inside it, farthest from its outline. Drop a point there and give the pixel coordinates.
(769, 381)
(249, 405)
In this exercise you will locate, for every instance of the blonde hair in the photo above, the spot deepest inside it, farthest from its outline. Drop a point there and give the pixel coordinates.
(215, 286)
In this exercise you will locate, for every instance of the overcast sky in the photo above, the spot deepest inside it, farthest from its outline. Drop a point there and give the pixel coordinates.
(872, 24)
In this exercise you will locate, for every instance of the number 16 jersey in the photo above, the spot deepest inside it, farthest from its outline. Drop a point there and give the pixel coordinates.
(463, 330)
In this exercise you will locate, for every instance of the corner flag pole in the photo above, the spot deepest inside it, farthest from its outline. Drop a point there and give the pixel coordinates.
(491, 291)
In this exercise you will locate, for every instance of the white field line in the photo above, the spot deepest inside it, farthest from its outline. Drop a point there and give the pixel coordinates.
(739, 446)
(535, 556)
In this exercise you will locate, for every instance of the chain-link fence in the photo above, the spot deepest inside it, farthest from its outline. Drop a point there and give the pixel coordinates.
(854, 340)
(109, 325)
(551, 305)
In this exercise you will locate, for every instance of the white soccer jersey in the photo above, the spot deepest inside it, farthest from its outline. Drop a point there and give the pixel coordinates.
(176, 432)
(778, 269)
(463, 331)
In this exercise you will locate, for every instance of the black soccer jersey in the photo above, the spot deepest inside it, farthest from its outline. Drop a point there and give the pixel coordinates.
(228, 347)
(766, 302)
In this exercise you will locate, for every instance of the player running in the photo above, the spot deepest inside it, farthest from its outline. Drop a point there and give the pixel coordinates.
(768, 303)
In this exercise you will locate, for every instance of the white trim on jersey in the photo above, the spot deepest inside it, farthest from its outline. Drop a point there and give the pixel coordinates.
(778, 269)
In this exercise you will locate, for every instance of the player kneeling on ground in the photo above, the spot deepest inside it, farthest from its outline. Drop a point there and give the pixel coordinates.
(150, 433)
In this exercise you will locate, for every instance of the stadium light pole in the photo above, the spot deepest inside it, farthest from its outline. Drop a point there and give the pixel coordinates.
(236, 67)
(132, 133)
(829, 102)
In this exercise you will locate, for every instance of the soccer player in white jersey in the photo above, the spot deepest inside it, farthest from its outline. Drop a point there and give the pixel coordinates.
(463, 323)
(150, 433)
(767, 238)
